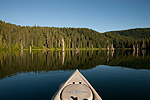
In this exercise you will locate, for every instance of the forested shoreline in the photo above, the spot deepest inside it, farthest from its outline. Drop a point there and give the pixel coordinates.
(22, 37)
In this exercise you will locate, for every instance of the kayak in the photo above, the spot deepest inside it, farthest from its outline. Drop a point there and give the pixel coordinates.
(76, 88)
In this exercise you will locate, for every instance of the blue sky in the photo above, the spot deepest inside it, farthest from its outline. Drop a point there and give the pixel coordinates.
(99, 15)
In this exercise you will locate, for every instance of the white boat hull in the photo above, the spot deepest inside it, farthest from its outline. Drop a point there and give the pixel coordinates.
(76, 88)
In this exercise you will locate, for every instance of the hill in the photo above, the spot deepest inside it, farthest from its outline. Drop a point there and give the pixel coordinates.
(22, 37)
(137, 33)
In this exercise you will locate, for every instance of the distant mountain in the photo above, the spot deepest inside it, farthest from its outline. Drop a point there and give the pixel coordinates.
(22, 37)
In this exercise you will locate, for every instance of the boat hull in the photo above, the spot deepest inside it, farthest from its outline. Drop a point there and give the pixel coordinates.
(76, 88)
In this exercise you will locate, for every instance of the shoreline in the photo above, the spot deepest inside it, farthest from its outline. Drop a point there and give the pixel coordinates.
(59, 49)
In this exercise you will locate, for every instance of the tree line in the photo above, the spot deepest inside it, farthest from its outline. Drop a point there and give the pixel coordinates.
(22, 37)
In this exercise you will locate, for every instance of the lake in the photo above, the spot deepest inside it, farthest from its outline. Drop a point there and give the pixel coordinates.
(36, 75)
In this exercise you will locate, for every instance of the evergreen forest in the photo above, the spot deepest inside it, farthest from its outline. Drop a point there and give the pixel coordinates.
(22, 37)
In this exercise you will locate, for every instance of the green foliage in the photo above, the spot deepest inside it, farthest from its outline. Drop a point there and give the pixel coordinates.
(35, 47)
(50, 37)
(16, 47)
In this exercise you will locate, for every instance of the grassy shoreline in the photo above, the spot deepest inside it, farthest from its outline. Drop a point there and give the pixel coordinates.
(59, 49)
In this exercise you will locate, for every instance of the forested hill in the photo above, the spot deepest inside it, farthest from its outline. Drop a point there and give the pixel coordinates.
(22, 37)
(137, 33)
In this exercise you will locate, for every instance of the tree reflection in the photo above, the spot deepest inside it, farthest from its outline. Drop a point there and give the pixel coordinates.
(15, 62)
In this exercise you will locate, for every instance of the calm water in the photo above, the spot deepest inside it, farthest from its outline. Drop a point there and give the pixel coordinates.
(36, 75)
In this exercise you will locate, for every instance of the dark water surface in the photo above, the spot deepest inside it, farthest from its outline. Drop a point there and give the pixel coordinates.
(36, 75)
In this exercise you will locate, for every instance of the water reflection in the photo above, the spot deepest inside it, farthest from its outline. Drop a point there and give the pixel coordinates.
(63, 57)
(15, 62)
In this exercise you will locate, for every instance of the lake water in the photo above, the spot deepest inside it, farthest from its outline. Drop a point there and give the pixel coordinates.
(36, 75)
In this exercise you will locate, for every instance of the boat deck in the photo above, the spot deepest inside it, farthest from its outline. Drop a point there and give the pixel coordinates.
(76, 88)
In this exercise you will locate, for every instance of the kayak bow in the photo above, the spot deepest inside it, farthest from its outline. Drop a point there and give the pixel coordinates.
(76, 88)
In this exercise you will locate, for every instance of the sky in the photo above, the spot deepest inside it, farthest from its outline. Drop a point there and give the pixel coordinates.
(99, 15)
